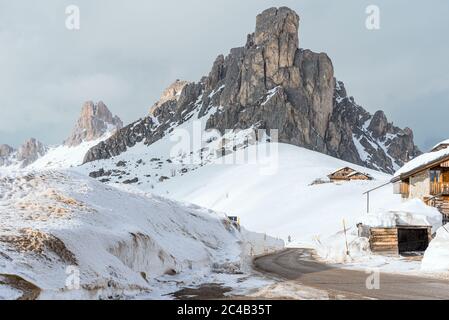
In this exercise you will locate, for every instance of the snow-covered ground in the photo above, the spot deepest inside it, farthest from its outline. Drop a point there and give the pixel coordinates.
(63, 157)
(55, 226)
(284, 202)
(285, 193)
(436, 258)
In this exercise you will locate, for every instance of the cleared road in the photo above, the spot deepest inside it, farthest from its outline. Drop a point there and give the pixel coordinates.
(299, 265)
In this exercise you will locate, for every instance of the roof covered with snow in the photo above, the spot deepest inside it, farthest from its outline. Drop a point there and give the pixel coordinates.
(341, 169)
(410, 213)
(422, 161)
(355, 173)
(444, 142)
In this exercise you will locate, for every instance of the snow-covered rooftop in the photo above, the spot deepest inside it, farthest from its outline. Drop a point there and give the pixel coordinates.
(358, 172)
(441, 143)
(340, 169)
(421, 161)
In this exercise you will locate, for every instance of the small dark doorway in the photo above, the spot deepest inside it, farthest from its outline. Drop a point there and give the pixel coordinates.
(413, 239)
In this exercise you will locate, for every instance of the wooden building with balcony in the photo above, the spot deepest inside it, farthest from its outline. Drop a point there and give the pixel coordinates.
(427, 178)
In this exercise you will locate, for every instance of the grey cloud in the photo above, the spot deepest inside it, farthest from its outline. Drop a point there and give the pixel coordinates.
(127, 52)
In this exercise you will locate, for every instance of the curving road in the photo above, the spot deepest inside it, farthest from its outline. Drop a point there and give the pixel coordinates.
(299, 265)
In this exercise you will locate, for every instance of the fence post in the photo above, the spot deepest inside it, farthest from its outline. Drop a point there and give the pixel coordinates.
(346, 238)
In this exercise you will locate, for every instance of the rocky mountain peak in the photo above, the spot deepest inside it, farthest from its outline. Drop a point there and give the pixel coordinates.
(95, 120)
(379, 124)
(30, 151)
(6, 153)
(171, 93)
(6, 150)
(277, 23)
(271, 83)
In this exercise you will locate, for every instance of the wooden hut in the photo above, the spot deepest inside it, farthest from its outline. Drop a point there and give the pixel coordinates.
(347, 174)
(400, 239)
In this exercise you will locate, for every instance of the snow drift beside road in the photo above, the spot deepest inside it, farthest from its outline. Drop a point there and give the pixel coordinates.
(120, 242)
(436, 257)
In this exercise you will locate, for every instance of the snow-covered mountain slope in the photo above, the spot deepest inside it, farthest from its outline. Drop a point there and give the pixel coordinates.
(63, 157)
(56, 157)
(285, 203)
(274, 194)
(55, 226)
(95, 124)
(28, 152)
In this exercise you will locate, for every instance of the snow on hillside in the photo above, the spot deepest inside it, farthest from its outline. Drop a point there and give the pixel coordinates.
(275, 195)
(57, 157)
(56, 225)
(63, 157)
(285, 203)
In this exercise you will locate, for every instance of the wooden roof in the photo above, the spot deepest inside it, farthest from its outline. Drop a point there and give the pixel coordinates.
(341, 169)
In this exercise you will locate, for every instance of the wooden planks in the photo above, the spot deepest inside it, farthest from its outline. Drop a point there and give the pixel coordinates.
(384, 240)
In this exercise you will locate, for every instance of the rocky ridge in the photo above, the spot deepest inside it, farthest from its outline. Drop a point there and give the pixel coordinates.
(271, 83)
(95, 120)
(94, 123)
(27, 153)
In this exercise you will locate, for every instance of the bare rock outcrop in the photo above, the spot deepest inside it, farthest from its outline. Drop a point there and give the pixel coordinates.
(25, 155)
(171, 93)
(95, 120)
(30, 151)
(6, 152)
(271, 83)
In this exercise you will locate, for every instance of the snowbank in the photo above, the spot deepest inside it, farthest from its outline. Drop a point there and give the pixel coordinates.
(436, 257)
(413, 212)
(341, 248)
(55, 226)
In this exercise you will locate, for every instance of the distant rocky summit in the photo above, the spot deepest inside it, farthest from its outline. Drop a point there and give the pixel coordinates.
(30, 151)
(27, 153)
(271, 83)
(95, 120)
(173, 92)
(6, 152)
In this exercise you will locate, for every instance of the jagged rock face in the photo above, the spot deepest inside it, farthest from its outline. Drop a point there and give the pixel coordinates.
(173, 92)
(30, 151)
(27, 153)
(6, 150)
(95, 120)
(271, 83)
(366, 139)
(6, 153)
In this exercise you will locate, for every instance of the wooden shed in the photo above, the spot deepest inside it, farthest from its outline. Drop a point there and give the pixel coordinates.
(341, 174)
(347, 174)
(400, 239)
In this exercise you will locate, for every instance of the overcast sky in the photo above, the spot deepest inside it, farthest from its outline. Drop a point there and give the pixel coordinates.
(127, 52)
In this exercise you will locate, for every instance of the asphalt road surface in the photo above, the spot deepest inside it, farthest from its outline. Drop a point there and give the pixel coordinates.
(299, 265)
